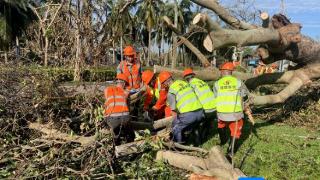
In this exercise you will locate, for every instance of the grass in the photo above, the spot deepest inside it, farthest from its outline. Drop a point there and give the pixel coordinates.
(277, 151)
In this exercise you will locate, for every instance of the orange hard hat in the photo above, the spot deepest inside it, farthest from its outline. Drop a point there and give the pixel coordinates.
(129, 51)
(122, 77)
(147, 76)
(164, 75)
(227, 66)
(187, 72)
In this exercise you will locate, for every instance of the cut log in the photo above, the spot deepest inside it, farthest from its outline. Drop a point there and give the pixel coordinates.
(207, 43)
(265, 19)
(161, 123)
(207, 74)
(129, 148)
(224, 14)
(214, 165)
(204, 20)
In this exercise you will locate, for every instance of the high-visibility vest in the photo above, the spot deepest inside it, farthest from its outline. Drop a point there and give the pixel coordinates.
(133, 75)
(204, 94)
(228, 97)
(186, 99)
(116, 100)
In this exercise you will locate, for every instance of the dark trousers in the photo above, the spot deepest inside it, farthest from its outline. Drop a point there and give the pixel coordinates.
(120, 127)
(183, 121)
(207, 125)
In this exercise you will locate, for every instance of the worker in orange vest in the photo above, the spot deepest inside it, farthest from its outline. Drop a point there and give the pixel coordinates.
(271, 69)
(260, 69)
(131, 68)
(116, 107)
(154, 91)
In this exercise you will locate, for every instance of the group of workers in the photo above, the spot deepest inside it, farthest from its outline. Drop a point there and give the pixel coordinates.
(190, 101)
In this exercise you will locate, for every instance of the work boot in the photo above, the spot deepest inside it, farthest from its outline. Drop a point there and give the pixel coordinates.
(223, 136)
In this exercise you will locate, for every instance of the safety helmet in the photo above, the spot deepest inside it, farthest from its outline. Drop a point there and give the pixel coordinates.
(147, 76)
(163, 76)
(129, 51)
(187, 72)
(122, 77)
(227, 66)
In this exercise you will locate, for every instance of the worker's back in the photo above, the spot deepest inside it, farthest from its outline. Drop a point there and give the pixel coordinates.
(186, 99)
(228, 95)
(204, 94)
(116, 101)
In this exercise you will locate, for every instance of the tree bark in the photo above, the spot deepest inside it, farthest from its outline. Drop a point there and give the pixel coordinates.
(224, 14)
(207, 74)
(215, 164)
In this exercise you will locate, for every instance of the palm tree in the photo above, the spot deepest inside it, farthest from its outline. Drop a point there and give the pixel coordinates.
(119, 23)
(180, 12)
(148, 12)
(15, 16)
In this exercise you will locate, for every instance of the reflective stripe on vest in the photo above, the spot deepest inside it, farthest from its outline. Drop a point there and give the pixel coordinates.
(204, 94)
(116, 101)
(228, 99)
(133, 75)
(186, 99)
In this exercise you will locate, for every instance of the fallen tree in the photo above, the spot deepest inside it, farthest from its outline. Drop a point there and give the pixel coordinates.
(278, 40)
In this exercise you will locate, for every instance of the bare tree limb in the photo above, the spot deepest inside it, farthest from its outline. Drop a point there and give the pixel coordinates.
(224, 14)
(186, 42)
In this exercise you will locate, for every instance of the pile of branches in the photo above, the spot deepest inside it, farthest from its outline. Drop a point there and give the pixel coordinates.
(47, 133)
(302, 109)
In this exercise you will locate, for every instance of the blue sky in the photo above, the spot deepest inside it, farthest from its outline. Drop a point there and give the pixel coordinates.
(305, 12)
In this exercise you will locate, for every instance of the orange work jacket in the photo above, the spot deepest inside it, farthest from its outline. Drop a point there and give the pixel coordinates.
(116, 100)
(133, 74)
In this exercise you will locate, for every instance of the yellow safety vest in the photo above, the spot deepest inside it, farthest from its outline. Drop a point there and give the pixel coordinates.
(228, 99)
(204, 94)
(186, 99)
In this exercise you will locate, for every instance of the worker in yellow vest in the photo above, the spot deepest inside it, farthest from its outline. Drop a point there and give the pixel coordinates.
(230, 93)
(184, 104)
(206, 98)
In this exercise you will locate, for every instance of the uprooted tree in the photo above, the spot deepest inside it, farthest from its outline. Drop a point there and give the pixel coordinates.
(277, 39)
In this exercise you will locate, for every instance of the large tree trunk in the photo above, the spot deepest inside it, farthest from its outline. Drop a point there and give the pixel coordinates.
(207, 74)
(215, 164)
(224, 14)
